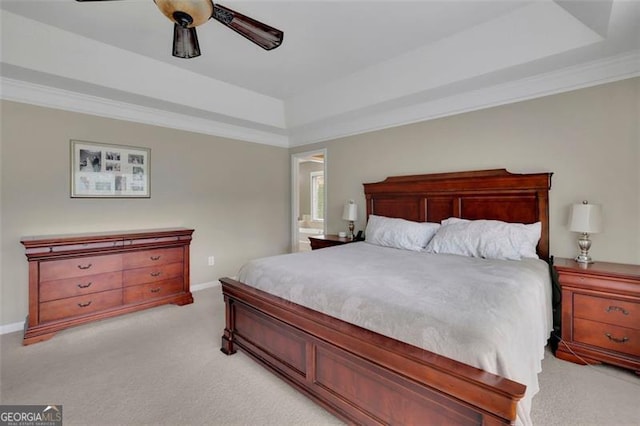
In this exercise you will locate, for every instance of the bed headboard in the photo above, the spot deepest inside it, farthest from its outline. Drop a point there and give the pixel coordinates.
(486, 194)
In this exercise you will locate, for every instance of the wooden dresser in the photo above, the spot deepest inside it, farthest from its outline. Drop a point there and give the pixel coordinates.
(78, 278)
(600, 313)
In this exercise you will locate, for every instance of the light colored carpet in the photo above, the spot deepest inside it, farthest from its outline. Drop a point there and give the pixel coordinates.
(164, 366)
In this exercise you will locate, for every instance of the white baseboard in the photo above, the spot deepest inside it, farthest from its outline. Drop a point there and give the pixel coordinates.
(10, 328)
(18, 326)
(202, 286)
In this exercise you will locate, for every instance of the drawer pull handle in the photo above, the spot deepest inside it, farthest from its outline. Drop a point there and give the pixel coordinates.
(84, 267)
(87, 285)
(156, 274)
(614, 339)
(155, 257)
(617, 308)
(84, 305)
(155, 290)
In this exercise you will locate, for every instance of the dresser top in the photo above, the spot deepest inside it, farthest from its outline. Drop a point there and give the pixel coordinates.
(31, 241)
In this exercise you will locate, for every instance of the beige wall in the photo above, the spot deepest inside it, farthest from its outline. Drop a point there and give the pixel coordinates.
(588, 138)
(234, 194)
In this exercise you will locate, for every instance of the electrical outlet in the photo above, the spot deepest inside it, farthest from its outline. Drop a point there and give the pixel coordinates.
(211, 260)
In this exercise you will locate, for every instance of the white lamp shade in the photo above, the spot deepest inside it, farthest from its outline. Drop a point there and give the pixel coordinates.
(585, 218)
(350, 211)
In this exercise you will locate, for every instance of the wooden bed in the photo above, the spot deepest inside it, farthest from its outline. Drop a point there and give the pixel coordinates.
(366, 378)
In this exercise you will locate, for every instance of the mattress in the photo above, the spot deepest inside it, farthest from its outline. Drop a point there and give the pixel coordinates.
(491, 314)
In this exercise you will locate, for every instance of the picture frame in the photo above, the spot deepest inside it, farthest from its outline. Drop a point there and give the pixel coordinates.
(100, 170)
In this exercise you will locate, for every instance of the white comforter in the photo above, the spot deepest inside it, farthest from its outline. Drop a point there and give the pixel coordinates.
(491, 314)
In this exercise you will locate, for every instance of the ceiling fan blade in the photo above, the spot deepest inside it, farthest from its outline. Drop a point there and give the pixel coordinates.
(185, 42)
(261, 34)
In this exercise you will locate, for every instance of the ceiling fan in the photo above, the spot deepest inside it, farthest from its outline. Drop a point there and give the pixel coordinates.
(188, 14)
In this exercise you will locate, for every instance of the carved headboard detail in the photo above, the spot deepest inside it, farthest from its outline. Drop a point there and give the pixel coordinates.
(486, 194)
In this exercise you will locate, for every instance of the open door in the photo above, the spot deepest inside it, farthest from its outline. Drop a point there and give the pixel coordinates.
(308, 197)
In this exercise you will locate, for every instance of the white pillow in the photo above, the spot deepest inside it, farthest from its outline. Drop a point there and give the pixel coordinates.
(490, 239)
(399, 233)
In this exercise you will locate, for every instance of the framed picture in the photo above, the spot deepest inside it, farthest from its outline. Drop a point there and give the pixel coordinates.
(101, 170)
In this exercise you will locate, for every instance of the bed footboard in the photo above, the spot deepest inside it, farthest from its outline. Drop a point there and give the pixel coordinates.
(360, 376)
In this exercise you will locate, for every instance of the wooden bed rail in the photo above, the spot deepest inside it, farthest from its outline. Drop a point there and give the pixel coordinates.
(359, 375)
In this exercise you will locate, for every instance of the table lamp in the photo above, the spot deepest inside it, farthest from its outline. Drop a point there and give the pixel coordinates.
(586, 219)
(350, 213)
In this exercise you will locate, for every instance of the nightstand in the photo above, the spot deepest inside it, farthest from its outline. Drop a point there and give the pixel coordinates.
(600, 313)
(322, 241)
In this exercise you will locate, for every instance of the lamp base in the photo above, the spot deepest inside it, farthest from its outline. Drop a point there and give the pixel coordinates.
(583, 259)
(351, 227)
(584, 243)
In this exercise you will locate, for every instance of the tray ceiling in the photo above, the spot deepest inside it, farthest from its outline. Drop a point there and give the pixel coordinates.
(344, 67)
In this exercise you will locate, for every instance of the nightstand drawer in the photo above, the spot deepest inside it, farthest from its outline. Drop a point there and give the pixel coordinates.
(619, 339)
(584, 280)
(610, 311)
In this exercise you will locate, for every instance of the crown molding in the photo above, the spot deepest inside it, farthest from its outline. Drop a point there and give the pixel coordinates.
(588, 74)
(607, 70)
(51, 97)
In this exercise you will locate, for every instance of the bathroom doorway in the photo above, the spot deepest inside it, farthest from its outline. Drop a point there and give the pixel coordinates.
(308, 197)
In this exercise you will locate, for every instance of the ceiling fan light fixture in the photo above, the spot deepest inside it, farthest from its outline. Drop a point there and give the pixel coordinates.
(185, 42)
(182, 19)
(199, 11)
(189, 14)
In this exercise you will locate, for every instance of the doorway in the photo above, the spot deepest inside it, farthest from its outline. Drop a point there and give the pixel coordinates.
(308, 197)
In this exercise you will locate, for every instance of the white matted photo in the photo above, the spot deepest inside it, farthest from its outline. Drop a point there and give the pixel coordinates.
(103, 170)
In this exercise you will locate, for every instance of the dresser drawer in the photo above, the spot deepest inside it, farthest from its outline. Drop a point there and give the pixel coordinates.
(151, 274)
(80, 305)
(140, 293)
(619, 339)
(610, 311)
(70, 287)
(153, 257)
(79, 267)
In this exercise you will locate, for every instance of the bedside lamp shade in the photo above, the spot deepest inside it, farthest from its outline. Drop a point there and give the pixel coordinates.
(350, 213)
(586, 219)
